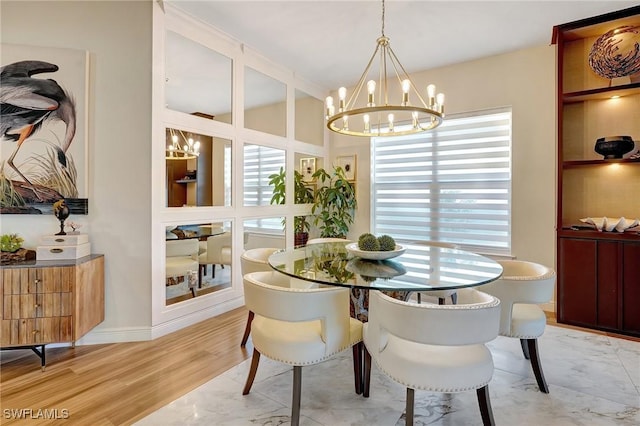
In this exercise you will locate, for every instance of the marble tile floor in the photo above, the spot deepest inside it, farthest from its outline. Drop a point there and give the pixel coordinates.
(593, 379)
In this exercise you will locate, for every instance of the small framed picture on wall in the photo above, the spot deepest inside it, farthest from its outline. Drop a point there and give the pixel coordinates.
(348, 164)
(307, 168)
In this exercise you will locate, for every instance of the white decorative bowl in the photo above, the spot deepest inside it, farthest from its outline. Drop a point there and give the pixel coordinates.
(375, 255)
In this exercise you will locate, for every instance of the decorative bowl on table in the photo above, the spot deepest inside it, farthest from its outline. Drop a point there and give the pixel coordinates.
(375, 255)
(377, 269)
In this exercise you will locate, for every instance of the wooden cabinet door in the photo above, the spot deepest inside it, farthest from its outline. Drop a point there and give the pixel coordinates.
(577, 285)
(631, 288)
(608, 282)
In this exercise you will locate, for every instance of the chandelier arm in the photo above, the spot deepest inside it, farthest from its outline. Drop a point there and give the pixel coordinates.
(393, 55)
(363, 77)
(383, 69)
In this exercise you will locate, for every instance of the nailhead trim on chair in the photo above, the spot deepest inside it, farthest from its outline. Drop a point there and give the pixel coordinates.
(551, 273)
(470, 306)
(518, 336)
(442, 390)
(317, 361)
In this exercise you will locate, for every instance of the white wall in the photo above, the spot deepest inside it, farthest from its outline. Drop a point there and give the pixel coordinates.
(118, 38)
(524, 80)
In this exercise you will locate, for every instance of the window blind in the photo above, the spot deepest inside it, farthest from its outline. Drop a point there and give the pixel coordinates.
(259, 163)
(452, 184)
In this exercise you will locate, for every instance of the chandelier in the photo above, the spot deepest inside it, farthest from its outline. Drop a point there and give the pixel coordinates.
(188, 150)
(372, 114)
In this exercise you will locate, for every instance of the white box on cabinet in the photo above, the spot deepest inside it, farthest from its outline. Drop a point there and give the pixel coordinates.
(63, 252)
(64, 240)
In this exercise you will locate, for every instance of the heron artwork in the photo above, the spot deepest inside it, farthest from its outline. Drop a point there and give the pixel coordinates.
(27, 105)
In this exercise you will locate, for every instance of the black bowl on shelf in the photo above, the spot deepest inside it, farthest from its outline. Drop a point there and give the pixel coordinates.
(614, 146)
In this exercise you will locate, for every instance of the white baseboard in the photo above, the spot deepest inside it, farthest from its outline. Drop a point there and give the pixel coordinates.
(115, 335)
(137, 334)
(195, 317)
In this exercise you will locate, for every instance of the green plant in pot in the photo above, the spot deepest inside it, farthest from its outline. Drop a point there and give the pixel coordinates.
(335, 203)
(302, 194)
(10, 243)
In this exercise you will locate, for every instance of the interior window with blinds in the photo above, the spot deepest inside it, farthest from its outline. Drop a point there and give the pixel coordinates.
(452, 184)
(260, 162)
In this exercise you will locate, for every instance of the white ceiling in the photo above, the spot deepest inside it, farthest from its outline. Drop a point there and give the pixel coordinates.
(329, 42)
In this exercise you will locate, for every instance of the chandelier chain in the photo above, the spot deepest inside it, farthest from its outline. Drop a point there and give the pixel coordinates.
(382, 18)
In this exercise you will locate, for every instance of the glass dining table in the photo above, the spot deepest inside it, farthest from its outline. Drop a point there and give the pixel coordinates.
(419, 268)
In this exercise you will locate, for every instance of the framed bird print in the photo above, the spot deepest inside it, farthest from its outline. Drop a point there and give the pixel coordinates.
(43, 130)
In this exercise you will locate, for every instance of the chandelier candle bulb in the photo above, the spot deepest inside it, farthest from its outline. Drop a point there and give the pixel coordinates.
(342, 95)
(330, 107)
(406, 85)
(414, 115)
(345, 122)
(390, 117)
(440, 101)
(371, 88)
(431, 94)
(367, 127)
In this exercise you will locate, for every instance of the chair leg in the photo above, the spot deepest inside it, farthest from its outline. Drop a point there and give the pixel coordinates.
(408, 415)
(297, 390)
(247, 329)
(454, 298)
(357, 366)
(252, 372)
(485, 406)
(366, 379)
(200, 275)
(213, 271)
(537, 367)
(419, 298)
(525, 348)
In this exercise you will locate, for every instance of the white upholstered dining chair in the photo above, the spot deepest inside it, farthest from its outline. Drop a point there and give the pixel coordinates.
(440, 294)
(437, 348)
(299, 326)
(254, 260)
(521, 288)
(181, 258)
(218, 253)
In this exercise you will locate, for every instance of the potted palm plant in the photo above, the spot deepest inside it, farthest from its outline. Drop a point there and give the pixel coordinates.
(302, 194)
(334, 204)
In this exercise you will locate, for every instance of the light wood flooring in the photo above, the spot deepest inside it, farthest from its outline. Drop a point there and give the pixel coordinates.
(120, 383)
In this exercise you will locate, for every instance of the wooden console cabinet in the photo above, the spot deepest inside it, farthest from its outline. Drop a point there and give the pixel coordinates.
(598, 272)
(599, 283)
(50, 301)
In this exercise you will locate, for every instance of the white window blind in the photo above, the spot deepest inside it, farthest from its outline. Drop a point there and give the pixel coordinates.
(260, 162)
(452, 184)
